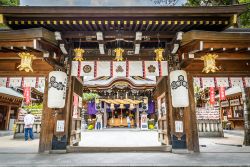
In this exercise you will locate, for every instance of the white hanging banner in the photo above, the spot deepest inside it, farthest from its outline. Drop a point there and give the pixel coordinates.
(74, 68)
(135, 68)
(247, 81)
(119, 69)
(197, 82)
(151, 68)
(87, 68)
(3, 81)
(236, 81)
(222, 81)
(164, 68)
(29, 82)
(208, 82)
(103, 68)
(15, 82)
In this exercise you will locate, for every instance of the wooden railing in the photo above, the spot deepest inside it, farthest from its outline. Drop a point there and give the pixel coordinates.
(210, 128)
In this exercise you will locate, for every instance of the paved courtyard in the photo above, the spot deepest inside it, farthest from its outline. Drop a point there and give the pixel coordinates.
(226, 151)
(119, 138)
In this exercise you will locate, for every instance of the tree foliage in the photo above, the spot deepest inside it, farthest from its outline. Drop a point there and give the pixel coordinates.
(244, 18)
(165, 2)
(9, 2)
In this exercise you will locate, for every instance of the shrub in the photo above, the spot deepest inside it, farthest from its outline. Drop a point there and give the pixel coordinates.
(90, 127)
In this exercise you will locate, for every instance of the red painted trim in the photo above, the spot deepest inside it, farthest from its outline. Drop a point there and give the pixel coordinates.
(143, 68)
(95, 69)
(111, 68)
(79, 69)
(8, 82)
(160, 70)
(127, 68)
(37, 80)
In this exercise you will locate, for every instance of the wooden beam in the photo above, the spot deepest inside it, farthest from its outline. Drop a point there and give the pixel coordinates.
(226, 56)
(122, 11)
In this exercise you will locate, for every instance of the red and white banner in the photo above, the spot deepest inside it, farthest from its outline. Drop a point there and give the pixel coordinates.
(27, 95)
(247, 81)
(33, 82)
(3, 82)
(236, 82)
(222, 82)
(29, 82)
(15, 82)
(119, 68)
(222, 93)
(212, 95)
(206, 82)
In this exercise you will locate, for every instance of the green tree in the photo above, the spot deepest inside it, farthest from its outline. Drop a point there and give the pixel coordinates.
(9, 2)
(244, 18)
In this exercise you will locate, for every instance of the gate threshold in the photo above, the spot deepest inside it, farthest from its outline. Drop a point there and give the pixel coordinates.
(80, 149)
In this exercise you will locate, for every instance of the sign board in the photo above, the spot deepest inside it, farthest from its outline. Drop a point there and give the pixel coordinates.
(207, 114)
(60, 126)
(144, 122)
(235, 102)
(179, 126)
(224, 103)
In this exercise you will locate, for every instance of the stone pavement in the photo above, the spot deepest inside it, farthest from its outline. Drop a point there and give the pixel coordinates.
(226, 151)
(119, 138)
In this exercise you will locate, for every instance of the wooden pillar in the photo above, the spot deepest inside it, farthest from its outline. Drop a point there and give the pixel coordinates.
(7, 117)
(190, 120)
(170, 114)
(246, 107)
(137, 116)
(47, 124)
(105, 115)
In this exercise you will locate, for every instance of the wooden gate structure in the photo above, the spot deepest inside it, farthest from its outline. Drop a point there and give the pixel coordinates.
(185, 33)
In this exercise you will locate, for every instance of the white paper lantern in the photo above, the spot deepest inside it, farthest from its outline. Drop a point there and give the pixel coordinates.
(57, 89)
(179, 88)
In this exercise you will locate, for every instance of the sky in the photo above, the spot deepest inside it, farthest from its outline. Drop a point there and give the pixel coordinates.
(91, 2)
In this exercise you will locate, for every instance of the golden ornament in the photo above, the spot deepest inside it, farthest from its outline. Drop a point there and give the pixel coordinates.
(26, 61)
(209, 63)
(118, 54)
(159, 54)
(78, 54)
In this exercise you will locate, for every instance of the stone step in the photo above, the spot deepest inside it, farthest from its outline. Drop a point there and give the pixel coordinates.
(80, 149)
(6, 133)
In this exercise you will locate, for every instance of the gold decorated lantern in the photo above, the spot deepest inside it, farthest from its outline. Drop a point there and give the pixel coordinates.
(122, 106)
(26, 61)
(209, 63)
(118, 54)
(131, 106)
(78, 54)
(112, 106)
(159, 54)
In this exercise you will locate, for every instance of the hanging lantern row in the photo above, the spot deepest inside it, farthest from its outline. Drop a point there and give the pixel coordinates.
(209, 63)
(78, 54)
(26, 62)
(159, 54)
